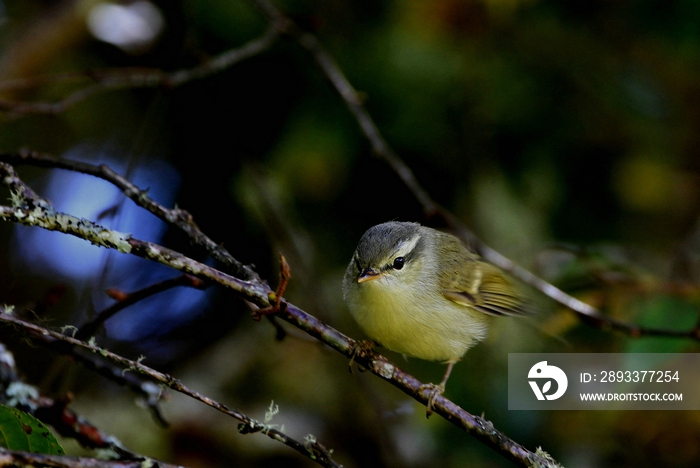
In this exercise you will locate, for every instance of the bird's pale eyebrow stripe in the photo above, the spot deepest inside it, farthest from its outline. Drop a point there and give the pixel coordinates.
(406, 247)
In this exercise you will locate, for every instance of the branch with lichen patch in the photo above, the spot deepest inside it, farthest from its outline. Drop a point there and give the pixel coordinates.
(43, 336)
(261, 295)
(65, 421)
(17, 459)
(48, 218)
(174, 216)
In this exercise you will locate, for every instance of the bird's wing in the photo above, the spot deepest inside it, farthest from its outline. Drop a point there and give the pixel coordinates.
(485, 288)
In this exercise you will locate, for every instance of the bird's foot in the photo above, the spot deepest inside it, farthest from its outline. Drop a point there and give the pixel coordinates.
(435, 391)
(276, 301)
(360, 349)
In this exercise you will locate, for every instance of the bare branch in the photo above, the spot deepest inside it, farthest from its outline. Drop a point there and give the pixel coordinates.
(173, 216)
(351, 98)
(37, 212)
(129, 78)
(52, 220)
(15, 459)
(44, 336)
(260, 295)
(151, 394)
(54, 412)
(379, 365)
(432, 210)
(48, 218)
(126, 300)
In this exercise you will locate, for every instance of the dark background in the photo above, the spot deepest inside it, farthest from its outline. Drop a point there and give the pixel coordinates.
(564, 133)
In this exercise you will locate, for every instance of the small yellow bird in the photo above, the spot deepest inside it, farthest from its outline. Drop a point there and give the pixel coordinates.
(421, 292)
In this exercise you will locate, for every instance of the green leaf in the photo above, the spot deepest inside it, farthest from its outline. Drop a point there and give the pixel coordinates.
(23, 432)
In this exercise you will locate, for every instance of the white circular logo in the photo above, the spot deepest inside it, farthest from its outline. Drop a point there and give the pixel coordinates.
(542, 371)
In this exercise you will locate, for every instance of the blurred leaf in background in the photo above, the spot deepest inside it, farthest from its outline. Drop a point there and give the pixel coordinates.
(23, 432)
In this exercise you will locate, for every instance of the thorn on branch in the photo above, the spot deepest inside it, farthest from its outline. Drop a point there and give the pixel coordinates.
(117, 294)
(276, 300)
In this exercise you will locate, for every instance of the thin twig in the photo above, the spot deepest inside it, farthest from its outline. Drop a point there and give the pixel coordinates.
(54, 412)
(126, 300)
(33, 210)
(16, 459)
(173, 216)
(130, 78)
(260, 295)
(102, 237)
(44, 336)
(350, 96)
(588, 314)
(151, 394)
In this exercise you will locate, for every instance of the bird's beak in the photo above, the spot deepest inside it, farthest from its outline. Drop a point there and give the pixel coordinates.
(368, 275)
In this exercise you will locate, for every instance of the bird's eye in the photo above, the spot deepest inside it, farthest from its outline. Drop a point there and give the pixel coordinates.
(398, 263)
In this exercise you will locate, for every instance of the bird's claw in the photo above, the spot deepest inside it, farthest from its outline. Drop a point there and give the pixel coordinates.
(435, 391)
(276, 301)
(360, 349)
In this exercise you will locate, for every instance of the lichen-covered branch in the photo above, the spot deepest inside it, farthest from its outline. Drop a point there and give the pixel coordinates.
(260, 295)
(174, 216)
(478, 427)
(18, 394)
(50, 219)
(43, 336)
(16, 459)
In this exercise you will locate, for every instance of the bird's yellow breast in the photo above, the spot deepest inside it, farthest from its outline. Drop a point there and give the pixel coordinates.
(417, 323)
